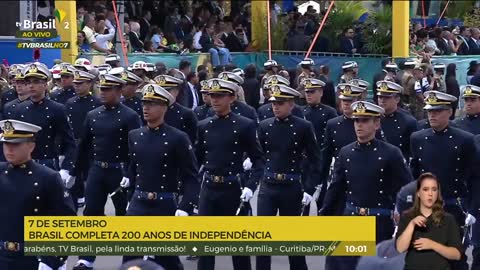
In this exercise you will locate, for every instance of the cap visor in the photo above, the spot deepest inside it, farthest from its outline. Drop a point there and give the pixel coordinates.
(385, 94)
(363, 116)
(347, 97)
(36, 75)
(15, 140)
(429, 107)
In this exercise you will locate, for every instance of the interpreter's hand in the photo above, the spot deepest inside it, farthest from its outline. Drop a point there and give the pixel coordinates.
(423, 244)
(419, 221)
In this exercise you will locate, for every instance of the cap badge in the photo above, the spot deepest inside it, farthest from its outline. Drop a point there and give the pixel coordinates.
(384, 86)
(204, 84)
(468, 90)
(8, 128)
(360, 108)
(33, 69)
(274, 80)
(215, 85)
(354, 82)
(161, 81)
(308, 83)
(64, 68)
(103, 80)
(276, 90)
(224, 76)
(124, 75)
(77, 75)
(150, 91)
(18, 74)
(347, 90)
(432, 98)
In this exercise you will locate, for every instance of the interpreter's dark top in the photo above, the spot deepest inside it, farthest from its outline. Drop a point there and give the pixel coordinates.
(447, 234)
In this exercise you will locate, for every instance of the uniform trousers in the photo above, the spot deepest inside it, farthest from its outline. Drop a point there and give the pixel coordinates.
(221, 200)
(145, 207)
(384, 230)
(17, 262)
(100, 183)
(476, 245)
(78, 189)
(286, 198)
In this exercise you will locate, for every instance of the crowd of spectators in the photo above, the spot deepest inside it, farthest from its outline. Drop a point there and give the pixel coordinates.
(198, 26)
(166, 26)
(426, 42)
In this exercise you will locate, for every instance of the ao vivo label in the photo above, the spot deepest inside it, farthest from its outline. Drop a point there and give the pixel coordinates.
(37, 34)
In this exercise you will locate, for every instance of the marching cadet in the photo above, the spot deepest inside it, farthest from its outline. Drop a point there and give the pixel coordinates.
(471, 122)
(265, 111)
(391, 69)
(178, 116)
(241, 74)
(307, 65)
(238, 107)
(397, 125)
(317, 113)
(8, 91)
(223, 141)
(202, 111)
(141, 69)
(339, 132)
(449, 153)
(348, 71)
(363, 84)
(129, 90)
(158, 149)
(271, 68)
(67, 91)
(370, 163)
(23, 93)
(105, 134)
(82, 64)
(26, 189)
(475, 237)
(288, 142)
(76, 109)
(51, 117)
(113, 60)
(438, 81)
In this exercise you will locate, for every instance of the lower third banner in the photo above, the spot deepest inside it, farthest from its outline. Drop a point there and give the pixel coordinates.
(213, 236)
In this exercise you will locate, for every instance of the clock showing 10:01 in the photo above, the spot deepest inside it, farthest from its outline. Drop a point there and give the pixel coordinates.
(356, 248)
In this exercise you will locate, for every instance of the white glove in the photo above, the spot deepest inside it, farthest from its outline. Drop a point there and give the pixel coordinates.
(181, 213)
(67, 179)
(247, 194)
(247, 164)
(125, 182)
(60, 160)
(470, 220)
(42, 266)
(307, 198)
